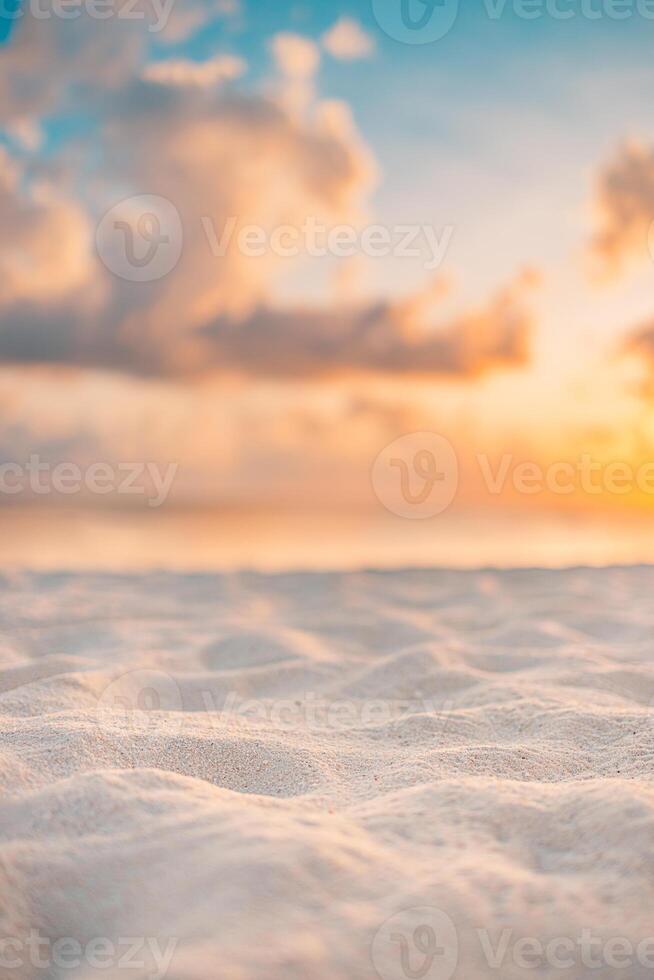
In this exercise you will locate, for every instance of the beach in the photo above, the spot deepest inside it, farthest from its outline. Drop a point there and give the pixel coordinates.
(320, 775)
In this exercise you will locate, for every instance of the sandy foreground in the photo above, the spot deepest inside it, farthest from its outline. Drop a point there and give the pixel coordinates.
(399, 775)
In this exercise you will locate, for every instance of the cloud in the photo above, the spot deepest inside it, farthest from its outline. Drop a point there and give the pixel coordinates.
(296, 56)
(347, 40)
(386, 338)
(26, 134)
(83, 58)
(625, 207)
(209, 365)
(233, 443)
(298, 344)
(45, 252)
(87, 58)
(222, 159)
(187, 18)
(181, 71)
(297, 59)
(640, 344)
(232, 158)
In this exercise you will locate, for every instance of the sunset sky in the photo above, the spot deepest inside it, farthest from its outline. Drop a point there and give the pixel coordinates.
(525, 147)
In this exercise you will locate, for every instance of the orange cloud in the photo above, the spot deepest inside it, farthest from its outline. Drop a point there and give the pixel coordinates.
(45, 252)
(382, 338)
(297, 59)
(347, 40)
(625, 207)
(86, 58)
(180, 71)
(220, 158)
(640, 344)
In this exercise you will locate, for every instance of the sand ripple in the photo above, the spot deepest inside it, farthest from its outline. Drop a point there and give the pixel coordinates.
(254, 774)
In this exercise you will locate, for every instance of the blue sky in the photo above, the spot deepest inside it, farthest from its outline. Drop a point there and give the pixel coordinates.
(494, 108)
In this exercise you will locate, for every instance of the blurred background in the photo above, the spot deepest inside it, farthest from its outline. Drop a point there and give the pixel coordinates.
(326, 284)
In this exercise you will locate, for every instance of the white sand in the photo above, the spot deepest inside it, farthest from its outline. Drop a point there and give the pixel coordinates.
(488, 752)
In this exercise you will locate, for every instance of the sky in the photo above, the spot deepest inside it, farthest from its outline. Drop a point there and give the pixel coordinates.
(366, 281)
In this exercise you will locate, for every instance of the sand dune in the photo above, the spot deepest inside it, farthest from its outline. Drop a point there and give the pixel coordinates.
(405, 775)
